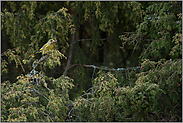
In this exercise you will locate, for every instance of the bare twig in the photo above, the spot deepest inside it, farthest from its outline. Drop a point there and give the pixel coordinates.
(129, 32)
(106, 68)
(41, 94)
(68, 115)
(90, 39)
(47, 115)
(93, 73)
(72, 109)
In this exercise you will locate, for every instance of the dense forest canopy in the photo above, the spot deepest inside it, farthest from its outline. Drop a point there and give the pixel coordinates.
(112, 61)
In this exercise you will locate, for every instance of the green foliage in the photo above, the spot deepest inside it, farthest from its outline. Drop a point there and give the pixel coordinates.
(26, 30)
(137, 101)
(53, 59)
(27, 101)
(149, 92)
(167, 75)
(107, 101)
(13, 55)
(177, 49)
(161, 23)
(98, 101)
(159, 35)
(29, 98)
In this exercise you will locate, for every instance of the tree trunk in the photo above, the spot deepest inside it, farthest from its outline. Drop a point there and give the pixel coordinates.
(69, 59)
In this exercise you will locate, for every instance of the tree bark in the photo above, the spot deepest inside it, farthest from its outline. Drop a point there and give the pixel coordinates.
(69, 59)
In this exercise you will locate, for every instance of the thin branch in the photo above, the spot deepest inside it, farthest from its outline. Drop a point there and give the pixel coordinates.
(105, 68)
(40, 94)
(146, 50)
(129, 32)
(92, 88)
(68, 115)
(47, 115)
(72, 110)
(40, 60)
(2, 54)
(93, 73)
(90, 39)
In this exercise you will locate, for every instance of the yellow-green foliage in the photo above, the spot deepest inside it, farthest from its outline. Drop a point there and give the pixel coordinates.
(151, 93)
(26, 101)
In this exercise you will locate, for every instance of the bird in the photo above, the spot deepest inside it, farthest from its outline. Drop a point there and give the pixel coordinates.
(46, 47)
